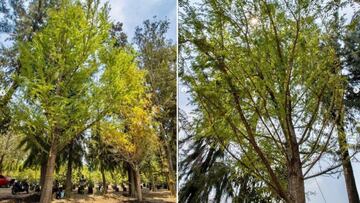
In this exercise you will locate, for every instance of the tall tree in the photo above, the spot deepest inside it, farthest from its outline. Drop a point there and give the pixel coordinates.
(350, 102)
(157, 55)
(345, 158)
(208, 170)
(19, 22)
(72, 155)
(258, 71)
(61, 70)
(101, 155)
(133, 137)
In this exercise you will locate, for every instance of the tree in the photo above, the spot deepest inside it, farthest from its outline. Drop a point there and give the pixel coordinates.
(344, 151)
(19, 23)
(259, 73)
(157, 56)
(73, 154)
(350, 102)
(133, 137)
(61, 70)
(208, 171)
(101, 155)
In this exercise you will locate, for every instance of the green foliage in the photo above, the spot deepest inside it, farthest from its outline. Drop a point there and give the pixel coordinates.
(157, 56)
(351, 53)
(76, 85)
(259, 73)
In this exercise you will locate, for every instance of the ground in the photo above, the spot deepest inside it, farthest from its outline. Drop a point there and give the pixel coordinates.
(160, 196)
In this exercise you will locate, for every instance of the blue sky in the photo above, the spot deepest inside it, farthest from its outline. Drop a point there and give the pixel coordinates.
(132, 13)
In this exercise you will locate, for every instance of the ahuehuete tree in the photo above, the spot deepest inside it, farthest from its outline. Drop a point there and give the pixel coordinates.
(157, 55)
(259, 72)
(62, 75)
(207, 169)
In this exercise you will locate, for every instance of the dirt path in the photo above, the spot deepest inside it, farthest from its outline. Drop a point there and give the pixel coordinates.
(161, 196)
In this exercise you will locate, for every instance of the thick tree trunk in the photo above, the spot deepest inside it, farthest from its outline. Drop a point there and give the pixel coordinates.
(46, 192)
(296, 186)
(131, 180)
(351, 189)
(42, 173)
(296, 182)
(68, 184)
(138, 183)
(103, 180)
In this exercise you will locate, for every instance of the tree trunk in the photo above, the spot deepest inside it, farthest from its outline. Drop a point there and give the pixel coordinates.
(68, 184)
(42, 173)
(171, 174)
(46, 192)
(138, 183)
(131, 180)
(167, 163)
(296, 186)
(352, 192)
(153, 188)
(103, 180)
(296, 182)
(1, 162)
(351, 189)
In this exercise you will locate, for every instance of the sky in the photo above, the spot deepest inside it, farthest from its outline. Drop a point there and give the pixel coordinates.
(132, 13)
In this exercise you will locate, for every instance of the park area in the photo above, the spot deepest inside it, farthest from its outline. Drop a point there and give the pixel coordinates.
(83, 106)
(160, 196)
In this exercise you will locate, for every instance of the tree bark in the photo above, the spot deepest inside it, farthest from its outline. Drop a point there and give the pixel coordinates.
(296, 181)
(46, 192)
(153, 188)
(138, 183)
(350, 183)
(131, 180)
(171, 174)
(42, 173)
(296, 186)
(68, 184)
(167, 163)
(103, 180)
